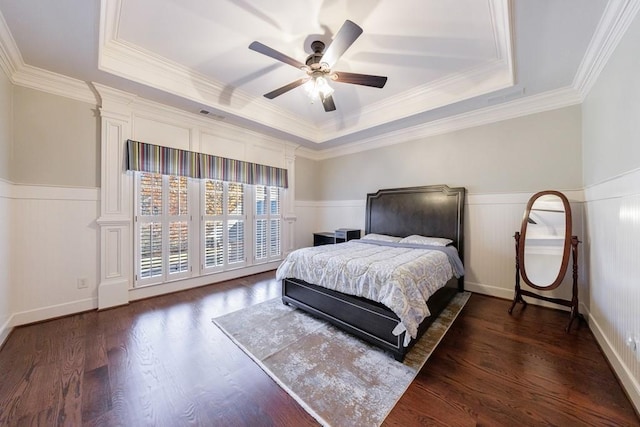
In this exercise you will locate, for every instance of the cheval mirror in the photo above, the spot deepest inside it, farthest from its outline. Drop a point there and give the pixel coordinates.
(543, 248)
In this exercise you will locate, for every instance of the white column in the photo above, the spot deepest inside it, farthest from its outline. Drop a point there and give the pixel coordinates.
(116, 214)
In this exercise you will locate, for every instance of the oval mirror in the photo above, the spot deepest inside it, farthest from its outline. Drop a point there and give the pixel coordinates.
(545, 240)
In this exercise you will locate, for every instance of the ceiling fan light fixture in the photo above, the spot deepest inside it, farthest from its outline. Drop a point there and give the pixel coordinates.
(318, 88)
(318, 67)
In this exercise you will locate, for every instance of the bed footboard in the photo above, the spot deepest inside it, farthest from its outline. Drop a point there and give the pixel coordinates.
(368, 320)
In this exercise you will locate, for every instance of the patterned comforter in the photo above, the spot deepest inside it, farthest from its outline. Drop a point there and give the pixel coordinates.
(402, 277)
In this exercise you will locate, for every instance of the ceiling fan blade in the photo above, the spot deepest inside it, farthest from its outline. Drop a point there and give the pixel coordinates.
(360, 79)
(286, 88)
(266, 50)
(328, 104)
(347, 34)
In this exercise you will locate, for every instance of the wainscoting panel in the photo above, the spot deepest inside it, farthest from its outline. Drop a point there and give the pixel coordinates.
(54, 249)
(489, 245)
(6, 257)
(613, 218)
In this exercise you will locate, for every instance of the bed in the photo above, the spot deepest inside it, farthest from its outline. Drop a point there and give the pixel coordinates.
(435, 210)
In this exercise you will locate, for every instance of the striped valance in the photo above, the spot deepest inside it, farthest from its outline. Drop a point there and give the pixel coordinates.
(223, 169)
(172, 161)
(156, 159)
(270, 176)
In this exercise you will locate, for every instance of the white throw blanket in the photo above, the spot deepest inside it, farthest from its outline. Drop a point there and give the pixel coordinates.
(401, 278)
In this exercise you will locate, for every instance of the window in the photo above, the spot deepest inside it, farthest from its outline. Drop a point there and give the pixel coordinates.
(223, 221)
(170, 245)
(174, 186)
(162, 228)
(268, 223)
(213, 224)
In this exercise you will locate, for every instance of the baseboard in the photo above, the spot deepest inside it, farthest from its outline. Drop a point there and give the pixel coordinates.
(629, 383)
(492, 291)
(53, 311)
(5, 330)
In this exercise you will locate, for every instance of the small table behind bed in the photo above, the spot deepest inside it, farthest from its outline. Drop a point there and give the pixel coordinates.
(435, 210)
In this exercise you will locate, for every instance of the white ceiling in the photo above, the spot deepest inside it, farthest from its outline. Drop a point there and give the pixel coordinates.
(441, 57)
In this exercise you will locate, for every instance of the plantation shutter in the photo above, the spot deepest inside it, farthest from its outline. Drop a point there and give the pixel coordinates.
(275, 222)
(214, 225)
(268, 223)
(162, 227)
(236, 223)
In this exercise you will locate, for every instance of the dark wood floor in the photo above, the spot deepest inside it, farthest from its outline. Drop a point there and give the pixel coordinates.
(161, 362)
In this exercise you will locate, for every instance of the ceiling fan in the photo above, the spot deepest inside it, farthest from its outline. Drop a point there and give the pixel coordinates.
(318, 66)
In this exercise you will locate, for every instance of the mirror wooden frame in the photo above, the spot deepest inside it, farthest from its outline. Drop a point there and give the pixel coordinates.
(570, 247)
(566, 251)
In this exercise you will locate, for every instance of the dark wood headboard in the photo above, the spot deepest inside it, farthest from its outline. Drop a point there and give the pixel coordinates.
(433, 210)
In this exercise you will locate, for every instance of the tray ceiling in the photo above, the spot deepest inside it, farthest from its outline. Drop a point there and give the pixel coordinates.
(441, 57)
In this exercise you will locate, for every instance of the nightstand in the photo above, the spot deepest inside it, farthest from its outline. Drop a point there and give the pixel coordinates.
(346, 234)
(323, 238)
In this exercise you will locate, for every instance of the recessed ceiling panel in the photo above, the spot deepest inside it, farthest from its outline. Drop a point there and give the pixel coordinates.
(430, 51)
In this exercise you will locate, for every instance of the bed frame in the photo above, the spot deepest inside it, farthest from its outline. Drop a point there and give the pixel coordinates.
(434, 210)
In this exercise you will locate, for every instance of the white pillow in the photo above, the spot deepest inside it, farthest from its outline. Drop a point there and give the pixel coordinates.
(382, 238)
(424, 240)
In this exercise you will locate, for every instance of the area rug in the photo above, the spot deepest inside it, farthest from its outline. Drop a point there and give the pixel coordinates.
(337, 378)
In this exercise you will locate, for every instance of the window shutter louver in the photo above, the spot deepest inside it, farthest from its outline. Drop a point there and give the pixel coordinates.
(162, 228)
(165, 230)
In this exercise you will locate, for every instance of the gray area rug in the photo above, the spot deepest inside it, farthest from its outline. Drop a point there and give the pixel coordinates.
(339, 379)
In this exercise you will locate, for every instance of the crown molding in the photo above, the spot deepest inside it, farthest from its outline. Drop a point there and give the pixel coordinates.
(54, 83)
(520, 107)
(615, 21)
(114, 104)
(109, 95)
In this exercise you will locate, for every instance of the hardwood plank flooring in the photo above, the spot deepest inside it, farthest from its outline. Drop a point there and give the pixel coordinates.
(161, 362)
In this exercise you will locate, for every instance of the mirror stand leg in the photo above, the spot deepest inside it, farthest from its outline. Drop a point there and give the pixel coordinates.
(517, 297)
(575, 314)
